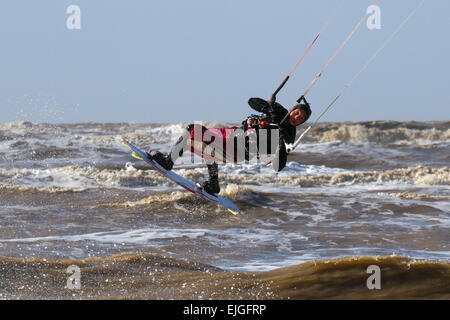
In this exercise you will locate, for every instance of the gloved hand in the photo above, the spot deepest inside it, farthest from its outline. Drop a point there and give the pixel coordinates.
(260, 105)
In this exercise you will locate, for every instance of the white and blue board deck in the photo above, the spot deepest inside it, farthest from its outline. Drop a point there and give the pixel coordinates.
(188, 185)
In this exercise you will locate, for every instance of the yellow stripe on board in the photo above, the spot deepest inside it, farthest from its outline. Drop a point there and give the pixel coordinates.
(135, 155)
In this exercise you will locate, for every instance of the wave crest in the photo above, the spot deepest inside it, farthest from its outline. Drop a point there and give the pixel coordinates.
(381, 132)
(156, 276)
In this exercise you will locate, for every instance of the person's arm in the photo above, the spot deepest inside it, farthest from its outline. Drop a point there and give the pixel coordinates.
(279, 162)
(259, 105)
(288, 134)
(275, 110)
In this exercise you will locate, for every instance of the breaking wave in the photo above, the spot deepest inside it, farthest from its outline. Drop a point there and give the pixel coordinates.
(416, 196)
(417, 176)
(25, 188)
(373, 131)
(231, 191)
(381, 132)
(156, 276)
(79, 177)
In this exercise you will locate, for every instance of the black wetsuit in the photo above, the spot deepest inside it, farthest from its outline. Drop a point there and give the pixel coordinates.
(272, 115)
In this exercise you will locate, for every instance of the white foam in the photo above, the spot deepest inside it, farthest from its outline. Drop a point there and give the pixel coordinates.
(139, 236)
(291, 169)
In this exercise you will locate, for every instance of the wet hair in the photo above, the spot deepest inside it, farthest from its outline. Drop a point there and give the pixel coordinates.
(304, 107)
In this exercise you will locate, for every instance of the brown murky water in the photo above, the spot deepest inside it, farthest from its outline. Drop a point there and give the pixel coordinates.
(353, 195)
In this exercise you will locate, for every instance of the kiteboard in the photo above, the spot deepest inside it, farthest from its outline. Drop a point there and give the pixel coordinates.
(188, 185)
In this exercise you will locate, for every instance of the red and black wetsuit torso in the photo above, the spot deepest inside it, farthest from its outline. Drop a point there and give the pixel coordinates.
(272, 114)
(271, 118)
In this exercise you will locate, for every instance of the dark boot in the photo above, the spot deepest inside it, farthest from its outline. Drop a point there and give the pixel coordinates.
(212, 185)
(163, 160)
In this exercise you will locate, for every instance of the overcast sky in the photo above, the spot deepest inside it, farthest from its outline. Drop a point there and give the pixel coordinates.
(200, 60)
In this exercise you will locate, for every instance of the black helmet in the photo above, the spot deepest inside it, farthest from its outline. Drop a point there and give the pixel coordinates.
(304, 107)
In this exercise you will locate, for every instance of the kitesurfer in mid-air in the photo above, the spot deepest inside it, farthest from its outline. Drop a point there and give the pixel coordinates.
(273, 117)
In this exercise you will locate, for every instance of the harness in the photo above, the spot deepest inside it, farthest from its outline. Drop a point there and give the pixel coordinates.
(254, 122)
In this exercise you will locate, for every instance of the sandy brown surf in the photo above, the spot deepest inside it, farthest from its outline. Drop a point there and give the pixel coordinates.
(154, 276)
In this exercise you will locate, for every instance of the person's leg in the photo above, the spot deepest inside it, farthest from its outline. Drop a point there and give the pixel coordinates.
(162, 159)
(167, 160)
(212, 185)
(225, 145)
